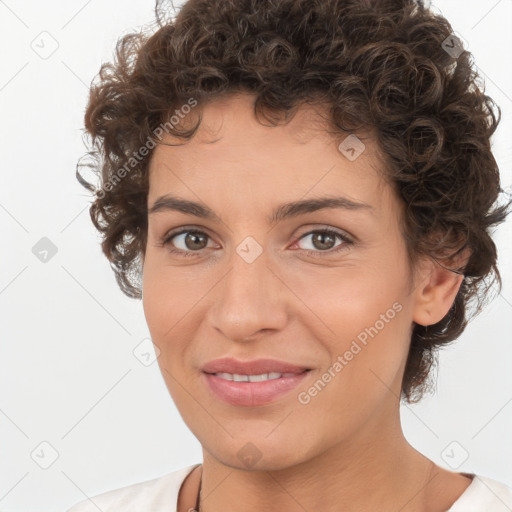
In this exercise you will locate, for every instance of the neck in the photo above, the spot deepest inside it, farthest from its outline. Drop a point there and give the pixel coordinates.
(367, 472)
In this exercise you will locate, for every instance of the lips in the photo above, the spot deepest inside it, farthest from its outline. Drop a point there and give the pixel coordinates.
(254, 367)
(226, 379)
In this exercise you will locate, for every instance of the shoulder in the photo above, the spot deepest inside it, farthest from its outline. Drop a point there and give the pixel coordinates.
(484, 495)
(158, 495)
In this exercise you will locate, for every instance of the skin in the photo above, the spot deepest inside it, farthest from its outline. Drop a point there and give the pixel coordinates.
(293, 306)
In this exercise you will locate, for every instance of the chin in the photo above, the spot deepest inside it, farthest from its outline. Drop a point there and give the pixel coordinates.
(257, 452)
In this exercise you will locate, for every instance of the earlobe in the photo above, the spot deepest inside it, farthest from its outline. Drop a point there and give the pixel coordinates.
(435, 295)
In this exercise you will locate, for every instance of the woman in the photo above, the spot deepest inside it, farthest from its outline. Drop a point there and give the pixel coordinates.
(301, 193)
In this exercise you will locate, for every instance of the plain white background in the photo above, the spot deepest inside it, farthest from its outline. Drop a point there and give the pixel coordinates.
(68, 375)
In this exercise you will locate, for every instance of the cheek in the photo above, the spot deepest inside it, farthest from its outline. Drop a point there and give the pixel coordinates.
(162, 313)
(365, 328)
(165, 297)
(153, 303)
(169, 304)
(355, 301)
(372, 350)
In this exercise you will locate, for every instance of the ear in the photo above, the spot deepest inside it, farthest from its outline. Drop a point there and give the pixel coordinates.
(435, 293)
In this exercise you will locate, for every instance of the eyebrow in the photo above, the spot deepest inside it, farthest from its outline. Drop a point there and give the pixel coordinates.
(283, 211)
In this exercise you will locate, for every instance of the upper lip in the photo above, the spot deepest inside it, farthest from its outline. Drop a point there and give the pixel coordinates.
(253, 367)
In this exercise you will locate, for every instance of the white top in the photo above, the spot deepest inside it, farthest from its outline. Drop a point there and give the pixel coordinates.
(161, 495)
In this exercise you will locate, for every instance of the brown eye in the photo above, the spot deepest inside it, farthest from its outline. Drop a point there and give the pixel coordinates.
(323, 240)
(194, 240)
(186, 241)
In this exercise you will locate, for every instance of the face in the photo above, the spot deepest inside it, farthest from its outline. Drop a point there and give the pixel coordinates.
(236, 284)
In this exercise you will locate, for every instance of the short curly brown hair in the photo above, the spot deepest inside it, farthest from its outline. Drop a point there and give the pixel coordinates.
(380, 65)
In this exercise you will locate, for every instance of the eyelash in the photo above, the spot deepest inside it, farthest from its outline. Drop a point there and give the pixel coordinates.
(166, 239)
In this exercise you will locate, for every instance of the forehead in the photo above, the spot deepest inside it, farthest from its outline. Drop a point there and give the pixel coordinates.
(233, 117)
(235, 153)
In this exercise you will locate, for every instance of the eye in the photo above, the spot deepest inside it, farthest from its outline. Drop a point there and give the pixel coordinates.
(323, 239)
(191, 241)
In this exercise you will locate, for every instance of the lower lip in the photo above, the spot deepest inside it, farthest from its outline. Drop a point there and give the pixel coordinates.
(250, 394)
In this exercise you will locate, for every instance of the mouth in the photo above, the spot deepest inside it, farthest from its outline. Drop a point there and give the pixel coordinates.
(262, 377)
(252, 390)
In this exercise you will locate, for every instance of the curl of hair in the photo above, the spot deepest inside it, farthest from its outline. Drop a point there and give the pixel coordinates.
(376, 65)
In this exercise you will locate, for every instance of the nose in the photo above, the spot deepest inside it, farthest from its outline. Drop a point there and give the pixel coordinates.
(250, 299)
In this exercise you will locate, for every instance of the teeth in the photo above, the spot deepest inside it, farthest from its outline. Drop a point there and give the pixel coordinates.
(236, 377)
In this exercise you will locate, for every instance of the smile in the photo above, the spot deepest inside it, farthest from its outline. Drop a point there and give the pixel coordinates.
(237, 377)
(252, 390)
